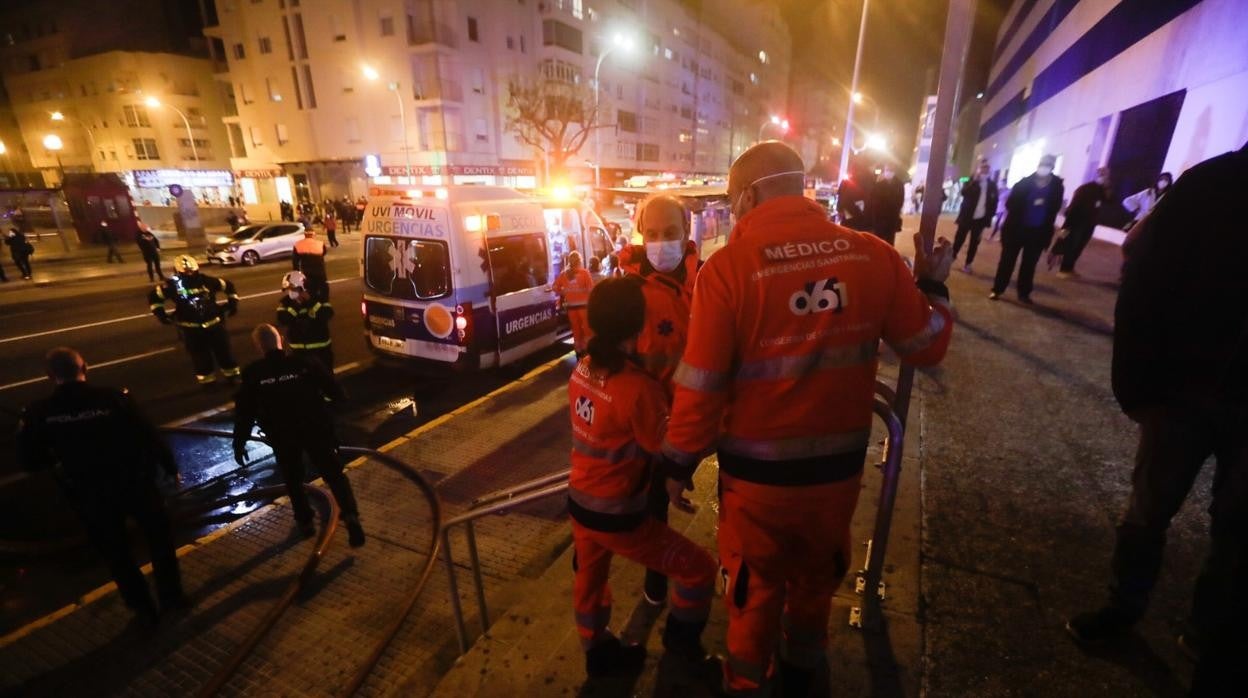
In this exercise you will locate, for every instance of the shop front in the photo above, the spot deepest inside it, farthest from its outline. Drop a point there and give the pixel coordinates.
(151, 187)
(518, 175)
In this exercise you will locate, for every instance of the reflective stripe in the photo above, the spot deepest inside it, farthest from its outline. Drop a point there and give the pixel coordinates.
(231, 371)
(310, 345)
(160, 292)
(155, 306)
(609, 505)
(313, 309)
(596, 621)
(205, 379)
(202, 325)
(612, 455)
(924, 338)
(701, 379)
(679, 457)
(797, 448)
(284, 309)
(802, 365)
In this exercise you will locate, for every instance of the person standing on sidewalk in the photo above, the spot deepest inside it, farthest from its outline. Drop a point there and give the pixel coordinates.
(286, 395)
(1028, 229)
(308, 256)
(331, 225)
(1141, 202)
(778, 378)
(851, 199)
(573, 286)
(618, 414)
(306, 321)
(108, 238)
(1081, 215)
(1003, 195)
(979, 202)
(1180, 371)
(199, 317)
(105, 454)
(149, 246)
(20, 251)
(887, 197)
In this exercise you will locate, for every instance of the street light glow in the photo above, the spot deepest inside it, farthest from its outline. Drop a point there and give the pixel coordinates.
(57, 116)
(53, 142)
(3, 149)
(877, 142)
(623, 41)
(835, 141)
(857, 98)
(152, 102)
(370, 72)
(775, 119)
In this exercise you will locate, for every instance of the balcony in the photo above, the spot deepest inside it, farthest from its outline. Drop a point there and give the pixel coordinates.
(420, 33)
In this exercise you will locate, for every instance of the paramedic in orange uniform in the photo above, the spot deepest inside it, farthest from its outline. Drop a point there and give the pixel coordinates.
(665, 266)
(618, 414)
(573, 286)
(778, 379)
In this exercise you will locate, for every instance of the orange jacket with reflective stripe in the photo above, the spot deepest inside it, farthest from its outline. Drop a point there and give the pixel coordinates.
(669, 298)
(617, 428)
(783, 343)
(574, 287)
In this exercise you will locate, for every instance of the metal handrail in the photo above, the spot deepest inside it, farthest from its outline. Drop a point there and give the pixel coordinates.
(868, 615)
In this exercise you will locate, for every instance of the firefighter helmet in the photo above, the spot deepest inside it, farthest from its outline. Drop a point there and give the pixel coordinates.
(294, 280)
(185, 264)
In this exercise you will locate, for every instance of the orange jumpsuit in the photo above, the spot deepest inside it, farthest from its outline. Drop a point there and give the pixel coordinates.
(617, 426)
(669, 298)
(778, 379)
(574, 287)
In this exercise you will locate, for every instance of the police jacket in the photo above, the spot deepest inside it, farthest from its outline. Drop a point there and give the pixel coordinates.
(306, 324)
(95, 437)
(779, 372)
(308, 257)
(669, 299)
(194, 298)
(285, 394)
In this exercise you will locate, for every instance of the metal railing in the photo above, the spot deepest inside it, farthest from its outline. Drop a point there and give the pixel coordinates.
(504, 500)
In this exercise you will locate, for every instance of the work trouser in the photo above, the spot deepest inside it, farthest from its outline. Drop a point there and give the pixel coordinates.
(784, 551)
(657, 505)
(322, 449)
(104, 512)
(1031, 243)
(23, 264)
(113, 252)
(1076, 240)
(974, 229)
(652, 544)
(153, 267)
(578, 318)
(322, 355)
(1175, 441)
(209, 348)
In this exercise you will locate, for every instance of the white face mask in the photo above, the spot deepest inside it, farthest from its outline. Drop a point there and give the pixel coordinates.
(293, 294)
(1044, 170)
(665, 256)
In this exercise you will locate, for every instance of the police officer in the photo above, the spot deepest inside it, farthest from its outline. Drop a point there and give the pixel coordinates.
(305, 320)
(104, 454)
(286, 395)
(199, 316)
(308, 256)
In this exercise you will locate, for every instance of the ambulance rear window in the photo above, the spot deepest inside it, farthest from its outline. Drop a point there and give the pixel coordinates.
(406, 268)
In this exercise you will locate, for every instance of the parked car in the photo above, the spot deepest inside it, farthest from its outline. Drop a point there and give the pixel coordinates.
(255, 243)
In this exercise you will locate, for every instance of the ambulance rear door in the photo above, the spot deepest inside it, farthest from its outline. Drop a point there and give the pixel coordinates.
(519, 263)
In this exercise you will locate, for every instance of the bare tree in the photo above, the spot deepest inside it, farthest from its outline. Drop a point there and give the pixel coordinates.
(553, 116)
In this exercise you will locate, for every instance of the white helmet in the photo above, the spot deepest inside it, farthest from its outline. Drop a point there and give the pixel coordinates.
(185, 264)
(294, 280)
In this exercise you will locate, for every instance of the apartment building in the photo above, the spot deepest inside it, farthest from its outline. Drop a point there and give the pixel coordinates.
(324, 97)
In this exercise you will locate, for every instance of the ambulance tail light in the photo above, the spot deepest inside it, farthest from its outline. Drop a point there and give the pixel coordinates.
(364, 313)
(463, 323)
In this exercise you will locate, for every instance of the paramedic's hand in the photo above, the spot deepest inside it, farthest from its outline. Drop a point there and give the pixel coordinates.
(676, 492)
(934, 266)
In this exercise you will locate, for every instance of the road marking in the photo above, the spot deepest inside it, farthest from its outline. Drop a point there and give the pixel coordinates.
(131, 317)
(104, 364)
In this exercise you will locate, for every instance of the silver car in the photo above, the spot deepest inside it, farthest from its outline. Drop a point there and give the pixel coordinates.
(255, 243)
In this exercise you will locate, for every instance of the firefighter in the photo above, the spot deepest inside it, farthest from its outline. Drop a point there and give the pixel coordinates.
(306, 321)
(286, 395)
(105, 454)
(573, 286)
(777, 378)
(200, 318)
(665, 267)
(618, 414)
(308, 256)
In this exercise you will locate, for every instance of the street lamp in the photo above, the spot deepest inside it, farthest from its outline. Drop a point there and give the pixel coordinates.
(9, 163)
(853, 91)
(860, 99)
(372, 75)
(617, 41)
(58, 116)
(876, 142)
(777, 121)
(156, 104)
(53, 143)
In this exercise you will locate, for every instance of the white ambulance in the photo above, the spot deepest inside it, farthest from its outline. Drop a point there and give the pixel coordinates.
(458, 276)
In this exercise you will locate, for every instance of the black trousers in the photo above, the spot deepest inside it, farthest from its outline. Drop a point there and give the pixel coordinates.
(889, 236)
(323, 355)
(322, 449)
(1175, 441)
(1076, 240)
(332, 236)
(973, 230)
(153, 267)
(1030, 242)
(104, 513)
(23, 264)
(113, 252)
(210, 348)
(318, 287)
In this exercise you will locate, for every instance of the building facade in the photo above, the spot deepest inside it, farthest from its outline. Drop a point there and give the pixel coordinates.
(324, 97)
(1142, 87)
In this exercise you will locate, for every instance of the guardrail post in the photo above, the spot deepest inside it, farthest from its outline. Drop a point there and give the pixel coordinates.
(475, 560)
(870, 583)
(461, 632)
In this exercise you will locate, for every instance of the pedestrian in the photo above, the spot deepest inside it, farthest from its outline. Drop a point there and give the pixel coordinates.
(573, 286)
(1028, 229)
(1003, 190)
(20, 251)
(851, 200)
(233, 221)
(1141, 202)
(618, 414)
(105, 456)
(1080, 223)
(360, 204)
(149, 247)
(308, 256)
(200, 318)
(774, 384)
(885, 200)
(979, 202)
(1184, 380)
(107, 237)
(918, 199)
(305, 320)
(331, 227)
(286, 395)
(287, 211)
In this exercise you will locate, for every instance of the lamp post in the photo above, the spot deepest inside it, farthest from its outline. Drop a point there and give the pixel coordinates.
(859, 98)
(373, 76)
(156, 103)
(853, 90)
(778, 122)
(53, 143)
(617, 41)
(58, 116)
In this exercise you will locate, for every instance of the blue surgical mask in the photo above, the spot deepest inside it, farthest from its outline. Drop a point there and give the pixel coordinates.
(665, 256)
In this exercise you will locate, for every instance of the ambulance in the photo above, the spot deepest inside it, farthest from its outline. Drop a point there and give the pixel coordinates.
(457, 276)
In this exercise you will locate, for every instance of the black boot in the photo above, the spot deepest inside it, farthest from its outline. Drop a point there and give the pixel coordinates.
(613, 658)
(795, 681)
(684, 638)
(355, 532)
(655, 589)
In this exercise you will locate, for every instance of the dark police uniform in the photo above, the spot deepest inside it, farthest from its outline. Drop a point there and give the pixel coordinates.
(286, 395)
(307, 328)
(105, 455)
(201, 319)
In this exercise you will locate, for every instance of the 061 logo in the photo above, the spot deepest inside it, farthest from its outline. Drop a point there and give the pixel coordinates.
(585, 409)
(819, 297)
